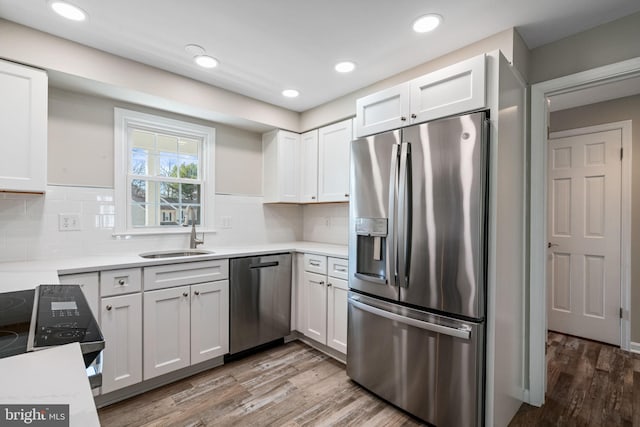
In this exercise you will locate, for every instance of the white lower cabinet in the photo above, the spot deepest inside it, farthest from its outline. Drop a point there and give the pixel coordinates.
(121, 324)
(323, 301)
(337, 290)
(185, 325)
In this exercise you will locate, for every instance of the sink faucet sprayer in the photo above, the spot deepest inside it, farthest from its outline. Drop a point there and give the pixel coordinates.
(190, 217)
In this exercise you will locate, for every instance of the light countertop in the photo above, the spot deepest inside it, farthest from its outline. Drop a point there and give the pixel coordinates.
(49, 377)
(24, 275)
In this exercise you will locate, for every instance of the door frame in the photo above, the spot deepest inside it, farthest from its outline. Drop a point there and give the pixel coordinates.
(538, 210)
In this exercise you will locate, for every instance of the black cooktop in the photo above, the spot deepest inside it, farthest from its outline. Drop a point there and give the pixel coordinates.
(63, 316)
(15, 318)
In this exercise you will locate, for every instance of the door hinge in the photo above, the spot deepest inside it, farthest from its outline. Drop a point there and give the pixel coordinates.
(621, 312)
(548, 132)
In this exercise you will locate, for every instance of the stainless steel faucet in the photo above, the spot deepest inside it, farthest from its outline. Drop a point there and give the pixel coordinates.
(190, 217)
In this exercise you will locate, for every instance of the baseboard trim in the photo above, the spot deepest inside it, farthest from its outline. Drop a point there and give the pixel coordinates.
(634, 347)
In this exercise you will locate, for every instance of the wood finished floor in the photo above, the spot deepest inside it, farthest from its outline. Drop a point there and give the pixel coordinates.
(291, 385)
(588, 384)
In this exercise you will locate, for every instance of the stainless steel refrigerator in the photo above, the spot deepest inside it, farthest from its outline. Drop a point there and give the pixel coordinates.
(417, 264)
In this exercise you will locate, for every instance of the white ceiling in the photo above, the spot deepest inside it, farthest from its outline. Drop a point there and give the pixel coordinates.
(265, 46)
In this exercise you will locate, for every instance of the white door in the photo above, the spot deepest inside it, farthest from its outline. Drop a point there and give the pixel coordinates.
(337, 314)
(315, 306)
(166, 331)
(333, 161)
(209, 320)
(121, 324)
(309, 167)
(583, 295)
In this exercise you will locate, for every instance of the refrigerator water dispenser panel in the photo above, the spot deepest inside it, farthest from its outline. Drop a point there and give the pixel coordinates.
(371, 241)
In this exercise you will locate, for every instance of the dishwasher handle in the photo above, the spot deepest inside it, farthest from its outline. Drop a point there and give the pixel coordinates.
(265, 264)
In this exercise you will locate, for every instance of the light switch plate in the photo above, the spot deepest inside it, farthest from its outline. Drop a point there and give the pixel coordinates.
(69, 222)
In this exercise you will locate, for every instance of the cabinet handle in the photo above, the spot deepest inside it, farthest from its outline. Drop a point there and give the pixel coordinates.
(413, 116)
(109, 307)
(315, 263)
(196, 292)
(403, 118)
(121, 282)
(313, 197)
(185, 294)
(341, 270)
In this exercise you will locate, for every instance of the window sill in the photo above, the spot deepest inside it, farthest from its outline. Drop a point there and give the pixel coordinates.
(183, 230)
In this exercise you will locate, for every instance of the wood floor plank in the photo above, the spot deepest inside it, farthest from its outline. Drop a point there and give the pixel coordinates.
(291, 385)
(589, 384)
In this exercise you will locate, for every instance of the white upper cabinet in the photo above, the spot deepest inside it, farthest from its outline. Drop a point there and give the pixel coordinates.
(309, 167)
(280, 169)
(23, 128)
(333, 161)
(451, 90)
(381, 111)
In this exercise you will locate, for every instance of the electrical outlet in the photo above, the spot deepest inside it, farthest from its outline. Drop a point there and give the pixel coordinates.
(226, 222)
(69, 222)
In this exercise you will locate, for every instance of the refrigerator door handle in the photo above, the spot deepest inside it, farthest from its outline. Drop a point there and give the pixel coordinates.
(463, 332)
(403, 215)
(392, 241)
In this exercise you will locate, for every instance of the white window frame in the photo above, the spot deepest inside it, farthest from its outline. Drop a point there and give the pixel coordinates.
(126, 119)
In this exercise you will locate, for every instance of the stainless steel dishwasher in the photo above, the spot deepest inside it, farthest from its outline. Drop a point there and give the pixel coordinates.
(260, 301)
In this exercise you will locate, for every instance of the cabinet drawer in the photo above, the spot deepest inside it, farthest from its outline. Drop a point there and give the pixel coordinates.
(188, 273)
(339, 268)
(118, 282)
(315, 263)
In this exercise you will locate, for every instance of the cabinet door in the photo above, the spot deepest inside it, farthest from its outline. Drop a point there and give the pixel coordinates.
(281, 159)
(23, 128)
(451, 90)
(337, 290)
(309, 167)
(166, 331)
(382, 111)
(121, 324)
(209, 320)
(315, 306)
(333, 162)
(90, 285)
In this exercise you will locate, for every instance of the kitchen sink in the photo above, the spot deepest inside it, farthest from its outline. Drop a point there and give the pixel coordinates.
(175, 253)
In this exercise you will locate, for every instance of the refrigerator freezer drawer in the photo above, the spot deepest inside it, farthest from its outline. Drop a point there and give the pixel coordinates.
(431, 366)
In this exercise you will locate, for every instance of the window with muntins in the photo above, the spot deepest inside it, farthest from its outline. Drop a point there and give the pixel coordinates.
(162, 168)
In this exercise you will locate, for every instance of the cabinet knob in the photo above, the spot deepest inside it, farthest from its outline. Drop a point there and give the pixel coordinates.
(403, 118)
(313, 197)
(109, 307)
(328, 285)
(196, 292)
(185, 294)
(346, 194)
(121, 282)
(322, 282)
(413, 116)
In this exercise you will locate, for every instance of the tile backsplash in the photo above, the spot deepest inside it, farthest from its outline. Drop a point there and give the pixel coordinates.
(29, 225)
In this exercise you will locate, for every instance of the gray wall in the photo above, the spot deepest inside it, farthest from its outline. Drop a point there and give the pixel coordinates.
(605, 112)
(609, 43)
(80, 145)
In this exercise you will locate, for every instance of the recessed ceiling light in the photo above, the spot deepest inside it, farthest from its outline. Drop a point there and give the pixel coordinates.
(427, 23)
(206, 61)
(67, 10)
(345, 67)
(290, 93)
